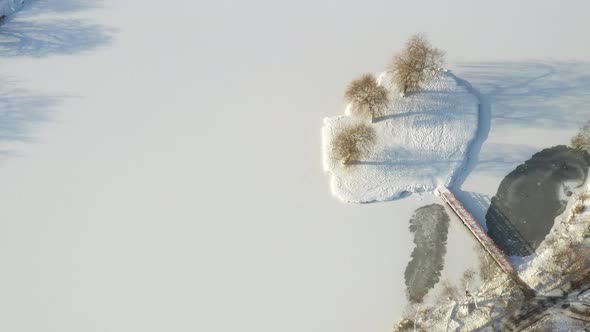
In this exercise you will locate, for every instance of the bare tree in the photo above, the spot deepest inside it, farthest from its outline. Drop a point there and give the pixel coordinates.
(468, 278)
(488, 269)
(352, 142)
(572, 261)
(581, 140)
(368, 99)
(416, 63)
(449, 292)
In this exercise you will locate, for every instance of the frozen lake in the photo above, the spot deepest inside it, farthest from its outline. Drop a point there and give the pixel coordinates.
(160, 164)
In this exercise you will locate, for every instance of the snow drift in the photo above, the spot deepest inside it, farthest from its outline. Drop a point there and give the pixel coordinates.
(422, 141)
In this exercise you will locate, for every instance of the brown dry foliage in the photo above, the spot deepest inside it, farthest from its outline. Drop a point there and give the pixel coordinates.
(367, 97)
(586, 221)
(351, 143)
(449, 291)
(573, 261)
(415, 64)
(581, 140)
(578, 208)
(404, 325)
(583, 196)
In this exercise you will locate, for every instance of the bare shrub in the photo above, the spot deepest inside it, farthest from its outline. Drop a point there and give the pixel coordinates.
(468, 278)
(488, 268)
(414, 316)
(448, 292)
(581, 140)
(578, 208)
(572, 261)
(416, 63)
(368, 99)
(541, 326)
(351, 143)
(586, 221)
(583, 196)
(405, 325)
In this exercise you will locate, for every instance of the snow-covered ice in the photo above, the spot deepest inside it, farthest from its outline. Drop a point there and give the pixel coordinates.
(175, 180)
(422, 142)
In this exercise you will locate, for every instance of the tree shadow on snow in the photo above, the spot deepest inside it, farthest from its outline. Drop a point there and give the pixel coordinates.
(24, 34)
(19, 111)
(34, 7)
(533, 94)
(515, 95)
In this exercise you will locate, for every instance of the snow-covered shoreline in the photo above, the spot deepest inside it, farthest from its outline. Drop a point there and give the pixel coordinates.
(569, 231)
(560, 260)
(422, 142)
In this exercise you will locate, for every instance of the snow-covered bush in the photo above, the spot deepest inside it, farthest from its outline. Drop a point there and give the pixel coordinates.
(351, 143)
(416, 63)
(367, 98)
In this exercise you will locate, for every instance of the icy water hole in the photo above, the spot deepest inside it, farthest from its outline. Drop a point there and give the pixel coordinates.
(529, 198)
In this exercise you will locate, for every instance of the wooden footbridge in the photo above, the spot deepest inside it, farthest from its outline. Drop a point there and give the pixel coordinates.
(480, 234)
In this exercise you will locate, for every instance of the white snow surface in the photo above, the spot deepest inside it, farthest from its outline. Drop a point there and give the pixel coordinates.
(151, 183)
(422, 142)
(8, 7)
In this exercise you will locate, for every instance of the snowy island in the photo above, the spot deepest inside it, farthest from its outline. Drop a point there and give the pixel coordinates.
(407, 131)
(422, 140)
(410, 131)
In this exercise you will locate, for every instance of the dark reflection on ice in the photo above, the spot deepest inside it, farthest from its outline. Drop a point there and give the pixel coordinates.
(529, 198)
(430, 225)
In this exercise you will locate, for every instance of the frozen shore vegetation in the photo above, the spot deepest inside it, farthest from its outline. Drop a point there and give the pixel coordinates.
(558, 272)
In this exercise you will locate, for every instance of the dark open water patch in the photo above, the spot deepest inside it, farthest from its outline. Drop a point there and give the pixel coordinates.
(430, 225)
(529, 198)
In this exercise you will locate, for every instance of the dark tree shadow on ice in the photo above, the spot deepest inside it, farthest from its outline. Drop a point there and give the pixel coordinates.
(532, 94)
(515, 95)
(26, 34)
(20, 110)
(63, 6)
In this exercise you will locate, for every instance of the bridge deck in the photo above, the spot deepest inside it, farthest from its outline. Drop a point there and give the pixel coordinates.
(480, 234)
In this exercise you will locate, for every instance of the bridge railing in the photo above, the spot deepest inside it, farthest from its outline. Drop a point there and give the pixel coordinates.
(480, 234)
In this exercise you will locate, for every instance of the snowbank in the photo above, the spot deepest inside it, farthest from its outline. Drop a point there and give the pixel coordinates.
(8, 7)
(422, 141)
